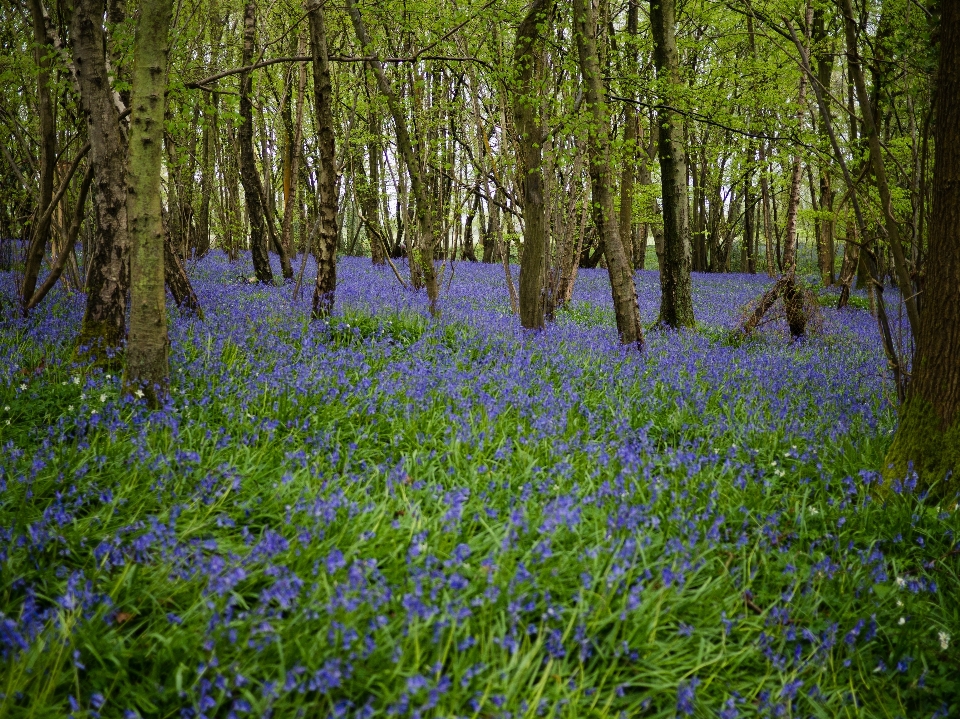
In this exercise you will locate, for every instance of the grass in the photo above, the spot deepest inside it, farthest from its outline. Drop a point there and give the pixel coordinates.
(382, 515)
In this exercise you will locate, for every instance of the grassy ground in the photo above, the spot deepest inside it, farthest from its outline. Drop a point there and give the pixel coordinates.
(383, 515)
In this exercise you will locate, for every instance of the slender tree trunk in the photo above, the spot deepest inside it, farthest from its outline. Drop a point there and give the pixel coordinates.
(531, 131)
(249, 176)
(676, 298)
(928, 437)
(424, 211)
(625, 305)
(102, 331)
(326, 283)
(147, 369)
(880, 173)
(378, 240)
(48, 155)
(292, 157)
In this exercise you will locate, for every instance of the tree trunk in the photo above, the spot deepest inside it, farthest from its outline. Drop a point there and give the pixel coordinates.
(676, 299)
(624, 291)
(147, 369)
(249, 176)
(378, 240)
(531, 132)
(48, 155)
(424, 211)
(102, 331)
(876, 159)
(326, 283)
(928, 437)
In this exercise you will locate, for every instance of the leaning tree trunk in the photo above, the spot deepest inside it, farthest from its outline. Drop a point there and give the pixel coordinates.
(880, 173)
(249, 176)
(531, 133)
(426, 245)
(147, 370)
(928, 437)
(676, 298)
(598, 150)
(326, 284)
(102, 330)
(48, 155)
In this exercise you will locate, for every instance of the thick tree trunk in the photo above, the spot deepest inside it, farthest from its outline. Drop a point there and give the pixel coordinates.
(147, 371)
(625, 305)
(102, 331)
(676, 299)
(249, 176)
(928, 437)
(532, 134)
(326, 283)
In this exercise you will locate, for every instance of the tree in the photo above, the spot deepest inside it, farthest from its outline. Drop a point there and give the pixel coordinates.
(249, 176)
(625, 306)
(102, 331)
(326, 283)
(928, 437)
(531, 133)
(676, 298)
(147, 367)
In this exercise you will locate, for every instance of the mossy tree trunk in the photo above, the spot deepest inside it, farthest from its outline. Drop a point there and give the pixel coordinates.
(102, 331)
(607, 222)
(928, 437)
(147, 367)
(531, 131)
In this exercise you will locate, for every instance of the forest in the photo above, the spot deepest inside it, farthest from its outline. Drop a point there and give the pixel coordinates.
(479, 358)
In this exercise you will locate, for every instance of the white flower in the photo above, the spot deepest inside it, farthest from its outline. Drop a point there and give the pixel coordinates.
(901, 582)
(76, 379)
(252, 280)
(901, 621)
(103, 398)
(814, 510)
(83, 396)
(109, 377)
(139, 394)
(7, 408)
(7, 422)
(70, 408)
(64, 384)
(899, 603)
(944, 640)
(23, 387)
(93, 411)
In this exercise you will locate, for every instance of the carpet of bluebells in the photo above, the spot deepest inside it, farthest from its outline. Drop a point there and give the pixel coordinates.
(386, 515)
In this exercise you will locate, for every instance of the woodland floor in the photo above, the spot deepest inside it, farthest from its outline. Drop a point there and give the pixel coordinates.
(384, 515)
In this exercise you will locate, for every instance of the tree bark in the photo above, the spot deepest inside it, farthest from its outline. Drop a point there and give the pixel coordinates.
(249, 176)
(102, 330)
(326, 283)
(928, 437)
(876, 159)
(531, 133)
(147, 371)
(676, 299)
(624, 291)
(426, 245)
(48, 155)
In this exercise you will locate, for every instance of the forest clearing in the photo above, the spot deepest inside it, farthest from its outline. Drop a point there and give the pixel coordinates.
(480, 359)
